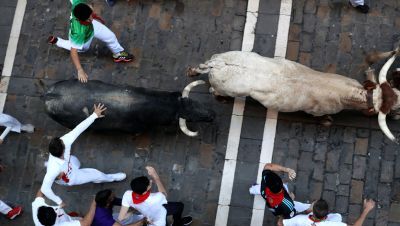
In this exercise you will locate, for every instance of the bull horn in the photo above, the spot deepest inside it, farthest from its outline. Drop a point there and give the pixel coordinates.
(385, 68)
(384, 127)
(188, 88)
(185, 94)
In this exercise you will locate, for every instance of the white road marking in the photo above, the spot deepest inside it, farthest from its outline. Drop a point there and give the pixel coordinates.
(267, 147)
(11, 50)
(228, 174)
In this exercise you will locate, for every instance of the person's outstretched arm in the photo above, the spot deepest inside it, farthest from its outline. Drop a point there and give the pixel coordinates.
(82, 76)
(88, 218)
(70, 137)
(368, 206)
(154, 175)
(46, 188)
(278, 168)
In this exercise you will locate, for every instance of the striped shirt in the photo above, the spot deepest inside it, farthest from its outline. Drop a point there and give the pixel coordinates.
(285, 208)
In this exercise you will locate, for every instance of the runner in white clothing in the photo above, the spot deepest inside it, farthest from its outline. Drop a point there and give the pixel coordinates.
(153, 206)
(318, 215)
(64, 168)
(46, 215)
(12, 124)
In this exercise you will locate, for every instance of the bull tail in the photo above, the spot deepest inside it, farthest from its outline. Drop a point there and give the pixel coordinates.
(41, 86)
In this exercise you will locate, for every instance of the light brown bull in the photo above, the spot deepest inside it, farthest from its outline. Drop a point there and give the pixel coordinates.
(289, 86)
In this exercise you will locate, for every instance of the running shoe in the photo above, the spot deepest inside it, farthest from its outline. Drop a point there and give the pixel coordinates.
(14, 212)
(123, 57)
(52, 39)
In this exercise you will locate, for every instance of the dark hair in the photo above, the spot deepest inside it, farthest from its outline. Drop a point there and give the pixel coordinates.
(82, 11)
(320, 209)
(102, 197)
(139, 184)
(56, 147)
(46, 215)
(273, 182)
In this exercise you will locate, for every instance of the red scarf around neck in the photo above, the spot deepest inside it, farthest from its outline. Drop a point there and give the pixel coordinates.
(138, 198)
(274, 199)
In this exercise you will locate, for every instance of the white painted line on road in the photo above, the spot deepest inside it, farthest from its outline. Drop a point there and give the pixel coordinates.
(252, 6)
(249, 31)
(3, 97)
(14, 37)
(267, 147)
(235, 129)
(11, 50)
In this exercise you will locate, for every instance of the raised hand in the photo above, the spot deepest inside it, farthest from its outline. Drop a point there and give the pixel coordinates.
(152, 172)
(99, 110)
(291, 173)
(82, 76)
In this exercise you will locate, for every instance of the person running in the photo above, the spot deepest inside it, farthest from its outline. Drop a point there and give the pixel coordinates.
(359, 5)
(46, 215)
(12, 124)
(84, 26)
(8, 211)
(319, 216)
(106, 200)
(153, 206)
(64, 168)
(276, 194)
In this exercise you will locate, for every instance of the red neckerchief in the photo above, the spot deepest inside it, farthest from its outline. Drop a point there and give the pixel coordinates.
(137, 198)
(64, 177)
(274, 199)
(94, 15)
(314, 219)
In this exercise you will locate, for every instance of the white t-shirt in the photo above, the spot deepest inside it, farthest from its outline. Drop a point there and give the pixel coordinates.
(152, 208)
(62, 218)
(333, 219)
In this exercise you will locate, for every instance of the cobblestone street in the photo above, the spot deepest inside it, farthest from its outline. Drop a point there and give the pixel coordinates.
(343, 164)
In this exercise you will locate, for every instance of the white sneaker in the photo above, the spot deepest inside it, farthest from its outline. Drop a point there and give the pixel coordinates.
(29, 128)
(255, 189)
(118, 176)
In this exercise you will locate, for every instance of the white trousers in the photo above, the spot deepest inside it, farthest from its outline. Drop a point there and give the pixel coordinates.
(79, 176)
(4, 208)
(102, 33)
(299, 206)
(357, 2)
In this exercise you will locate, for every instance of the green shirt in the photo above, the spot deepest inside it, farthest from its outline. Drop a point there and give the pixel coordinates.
(79, 34)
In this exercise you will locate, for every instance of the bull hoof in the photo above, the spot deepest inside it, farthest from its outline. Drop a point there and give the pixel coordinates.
(190, 72)
(326, 121)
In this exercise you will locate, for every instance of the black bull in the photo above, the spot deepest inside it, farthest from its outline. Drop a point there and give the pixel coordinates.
(129, 109)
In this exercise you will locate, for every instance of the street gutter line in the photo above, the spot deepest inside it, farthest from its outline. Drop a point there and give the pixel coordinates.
(11, 50)
(267, 147)
(228, 174)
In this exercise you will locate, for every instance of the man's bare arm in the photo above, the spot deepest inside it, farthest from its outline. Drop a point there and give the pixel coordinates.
(154, 175)
(88, 218)
(122, 213)
(368, 206)
(82, 76)
(278, 168)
